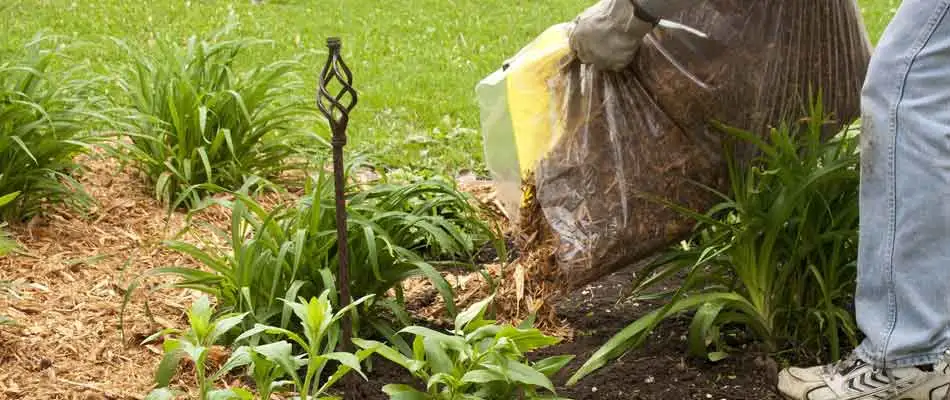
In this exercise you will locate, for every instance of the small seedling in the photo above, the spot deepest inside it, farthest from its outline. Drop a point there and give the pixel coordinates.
(195, 344)
(321, 333)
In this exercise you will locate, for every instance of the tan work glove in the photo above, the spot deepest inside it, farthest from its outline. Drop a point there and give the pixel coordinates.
(609, 33)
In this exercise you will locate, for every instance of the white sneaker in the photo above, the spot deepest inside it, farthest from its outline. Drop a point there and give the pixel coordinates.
(853, 379)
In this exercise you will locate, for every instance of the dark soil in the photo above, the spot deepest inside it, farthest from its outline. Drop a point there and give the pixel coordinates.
(659, 370)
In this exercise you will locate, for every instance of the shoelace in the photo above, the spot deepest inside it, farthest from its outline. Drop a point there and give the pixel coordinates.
(847, 364)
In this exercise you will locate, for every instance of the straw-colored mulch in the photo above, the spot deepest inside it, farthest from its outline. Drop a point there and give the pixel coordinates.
(71, 277)
(69, 282)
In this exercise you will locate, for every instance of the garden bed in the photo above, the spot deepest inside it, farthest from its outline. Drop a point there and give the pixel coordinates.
(660, 370)
(72, 278)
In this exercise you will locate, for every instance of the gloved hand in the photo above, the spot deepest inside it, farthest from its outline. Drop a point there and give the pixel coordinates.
(608, 34)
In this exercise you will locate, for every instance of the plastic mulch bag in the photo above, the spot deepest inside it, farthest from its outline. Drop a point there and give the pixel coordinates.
(604, 139)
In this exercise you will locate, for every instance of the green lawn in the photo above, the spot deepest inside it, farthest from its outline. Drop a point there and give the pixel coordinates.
(415, 66)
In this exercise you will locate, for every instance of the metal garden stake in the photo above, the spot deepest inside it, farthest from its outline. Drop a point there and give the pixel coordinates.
(336, 108)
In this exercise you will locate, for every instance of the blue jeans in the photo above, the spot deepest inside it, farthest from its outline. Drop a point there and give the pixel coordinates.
(903, 295)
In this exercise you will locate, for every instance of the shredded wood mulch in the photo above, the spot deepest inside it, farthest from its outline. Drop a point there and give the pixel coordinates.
(67, 286)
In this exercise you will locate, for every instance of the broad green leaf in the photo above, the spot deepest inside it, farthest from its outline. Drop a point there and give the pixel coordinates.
(346, 359)
(230, 394)
(280, 353)
(437, 358)
(404, 392)
(474, 311)
(519, 372)
(483, 332)
(551, 365)
(169, 364)
(239, 358)
(528, 322)
(196, 352)
(280, 385)
(418, 348)
(441, 379)
(483, 376)
(526, 339)
(224, 325)
(452, 342)
(199, 317)
(274, 351)
(313, 315)
(258, 329)
(390, 354)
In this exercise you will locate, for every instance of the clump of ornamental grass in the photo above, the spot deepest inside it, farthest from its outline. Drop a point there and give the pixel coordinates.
(45, 120)
(203, 117)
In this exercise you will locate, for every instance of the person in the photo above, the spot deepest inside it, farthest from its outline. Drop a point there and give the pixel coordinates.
(902, 299)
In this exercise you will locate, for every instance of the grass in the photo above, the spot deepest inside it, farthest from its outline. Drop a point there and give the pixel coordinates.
(877, 13)
(416, 71)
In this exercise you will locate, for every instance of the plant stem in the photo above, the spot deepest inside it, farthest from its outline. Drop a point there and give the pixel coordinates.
(202, 382)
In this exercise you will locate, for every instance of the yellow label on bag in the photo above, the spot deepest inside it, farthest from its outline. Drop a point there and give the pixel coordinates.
(535, 123)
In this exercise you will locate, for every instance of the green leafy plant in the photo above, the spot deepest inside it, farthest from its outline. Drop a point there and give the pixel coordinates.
(776, 261)
(44, 123)
(321, 335)
(476, 360)
(395, 232)
(195, 344)
(266, 363)
(199, 123)
(6, 244)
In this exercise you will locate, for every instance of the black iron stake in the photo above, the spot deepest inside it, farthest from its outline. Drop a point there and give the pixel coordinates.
(336, 108)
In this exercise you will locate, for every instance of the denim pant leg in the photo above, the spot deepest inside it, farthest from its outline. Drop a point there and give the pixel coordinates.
(903, 295)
